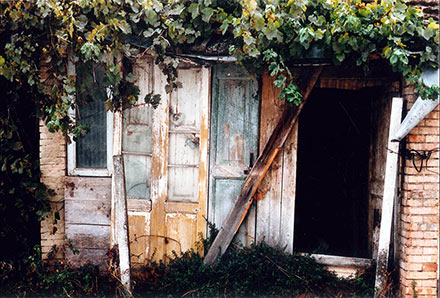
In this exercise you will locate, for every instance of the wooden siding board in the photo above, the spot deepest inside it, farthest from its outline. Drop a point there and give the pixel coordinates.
(276, 195)
(88, 236)
(87, 188)
(93, 212)
(97, 257)
(87, 218)
(269, 194)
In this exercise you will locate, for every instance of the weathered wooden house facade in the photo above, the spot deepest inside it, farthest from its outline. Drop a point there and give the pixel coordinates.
(186, 160)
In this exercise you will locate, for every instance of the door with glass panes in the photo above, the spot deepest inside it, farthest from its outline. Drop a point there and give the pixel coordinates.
(165, 153)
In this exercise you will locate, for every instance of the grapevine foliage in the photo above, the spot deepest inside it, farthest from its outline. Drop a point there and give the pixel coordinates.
(43, 35)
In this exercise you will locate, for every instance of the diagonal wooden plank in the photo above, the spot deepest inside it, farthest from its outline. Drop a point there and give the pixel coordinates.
(244, 200)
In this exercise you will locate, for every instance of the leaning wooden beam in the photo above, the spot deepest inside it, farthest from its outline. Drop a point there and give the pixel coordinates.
(389, 193)
(122, 223)
(262, 165)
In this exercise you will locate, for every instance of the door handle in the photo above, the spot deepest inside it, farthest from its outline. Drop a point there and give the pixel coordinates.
(251, 163)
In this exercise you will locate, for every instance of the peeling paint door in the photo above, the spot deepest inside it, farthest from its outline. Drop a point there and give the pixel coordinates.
(186, 161)
(166, 163)
(233, 144)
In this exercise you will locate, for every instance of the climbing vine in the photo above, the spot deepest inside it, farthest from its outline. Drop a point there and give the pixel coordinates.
(42, 36)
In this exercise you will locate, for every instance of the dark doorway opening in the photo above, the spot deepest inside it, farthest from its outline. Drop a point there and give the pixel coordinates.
(331, 212)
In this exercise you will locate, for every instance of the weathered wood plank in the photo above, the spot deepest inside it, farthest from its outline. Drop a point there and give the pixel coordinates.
(87, 219)
(97, 257)
(253, 181)
(205, 98)
(87, 200)
(289, 190)
(159, 166)
(87, 188)
(87, 212)
(117, 148)
(269, 194)
(122, 222)
(342, 261)
(390, 191)
(380, 122)
(88, 236)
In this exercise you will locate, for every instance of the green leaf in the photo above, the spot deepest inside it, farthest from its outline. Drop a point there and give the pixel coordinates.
(394, 59)
(280, 81)
(340, 57)
(206, 14)
(194, 10)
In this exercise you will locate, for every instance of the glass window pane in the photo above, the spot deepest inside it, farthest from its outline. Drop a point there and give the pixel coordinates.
(91, 150)
(137, 134)
(137, 176)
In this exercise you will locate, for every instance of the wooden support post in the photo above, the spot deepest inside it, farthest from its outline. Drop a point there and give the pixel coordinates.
(389, 194)
(262, 165)
(117, 150)
(122, 222)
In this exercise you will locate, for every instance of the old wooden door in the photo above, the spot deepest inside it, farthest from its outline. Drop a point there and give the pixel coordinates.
(233, 143)
(165, 155)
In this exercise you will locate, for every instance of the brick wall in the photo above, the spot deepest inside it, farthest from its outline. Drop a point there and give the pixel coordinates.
(419, 211)
(53, 170)
(430, 8)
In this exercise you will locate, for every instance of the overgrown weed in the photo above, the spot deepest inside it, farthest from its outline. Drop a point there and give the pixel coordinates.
(258, 270)
(48, 278)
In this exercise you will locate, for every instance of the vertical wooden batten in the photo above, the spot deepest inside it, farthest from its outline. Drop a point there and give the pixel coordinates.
(205, 98)
(289, 190)
(117, 148)
(159, 167)
(390, 191)
(122, 222)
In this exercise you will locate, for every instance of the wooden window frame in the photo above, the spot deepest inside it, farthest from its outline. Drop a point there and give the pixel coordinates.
(72, 169)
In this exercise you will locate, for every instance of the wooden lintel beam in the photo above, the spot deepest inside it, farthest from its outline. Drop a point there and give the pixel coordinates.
(273, 146)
